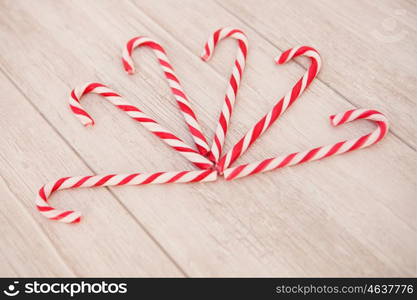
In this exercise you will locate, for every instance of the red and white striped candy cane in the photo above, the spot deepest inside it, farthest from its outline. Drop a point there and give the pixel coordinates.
(70, 216)
(320, 152)
(282, 105)
(173, 82)
(135, 113)
(233, 85)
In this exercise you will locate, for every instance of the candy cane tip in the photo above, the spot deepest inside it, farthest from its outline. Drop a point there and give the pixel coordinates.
(276, 59)
(204, 56)
(76, 221)
(333, 121)
(89, 123)
(128, 68)
(279, 59)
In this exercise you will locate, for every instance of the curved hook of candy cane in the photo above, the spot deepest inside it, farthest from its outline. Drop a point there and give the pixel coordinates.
(320, 152)
(233, 85)
(280, 107)
(135, 113)
(70, 216)
(174, 84)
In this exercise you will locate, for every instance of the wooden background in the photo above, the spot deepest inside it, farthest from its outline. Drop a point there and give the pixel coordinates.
(352, 215)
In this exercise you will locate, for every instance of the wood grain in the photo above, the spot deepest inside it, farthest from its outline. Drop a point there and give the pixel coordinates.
(353, 215)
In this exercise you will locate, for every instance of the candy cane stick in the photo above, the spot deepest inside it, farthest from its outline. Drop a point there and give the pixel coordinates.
(232, 87)
(70, 216)
(282, 105)
(164, 134)
(320, 152)
(173, 82)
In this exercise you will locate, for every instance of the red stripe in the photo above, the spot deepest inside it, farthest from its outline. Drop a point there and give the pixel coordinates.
(295, 92)
(42, 194)
(243, 48)
(79, 111)
(63, 215)
(130, 43)
(165, 63)
(145, 120)
(236, 151)
(196, 133)
(303, 50)
(368, 113)
(233, 32)
(177, 176)
(229, 104)
(184, 149)
(58, 183)
(383, 126)
(129, 108)
(207, 50)
(346, 116)
(77, 220)
(81, 181)
(126, 66)
(217, 141)
(178, 93)
(203, 166)
(202, 176)
(91, 87)
(286, 160)
(223, 123)
(236, 172)
(233, 84)
(359, 142)
(74, 96)
(186, 109)
(310, 155)
(155, 46)
(166, 135)
(202, 150)
(110, 94)
(104, 180)
(334, 149)
(128, 179)
(152, 177)
(239, 68)
(216, 37)
(44, 208)
(312, 71)
(284, 56)
(171, 76)
(262, 166)
(257, 130)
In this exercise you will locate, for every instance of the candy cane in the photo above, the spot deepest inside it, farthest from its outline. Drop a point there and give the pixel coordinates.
(70, 216)
(233, 86)
(320, 152)
(282, 105)
(173, 82)
(164, 134)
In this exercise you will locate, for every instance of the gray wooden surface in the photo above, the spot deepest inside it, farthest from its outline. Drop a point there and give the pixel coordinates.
(352, 215)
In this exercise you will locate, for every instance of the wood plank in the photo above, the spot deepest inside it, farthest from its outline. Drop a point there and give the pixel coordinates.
(31, 154)
(368, 48)
(20, 254)
(321, 219)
